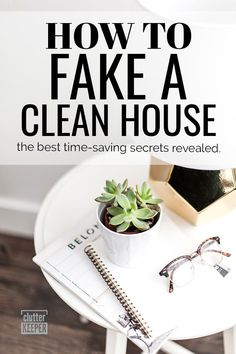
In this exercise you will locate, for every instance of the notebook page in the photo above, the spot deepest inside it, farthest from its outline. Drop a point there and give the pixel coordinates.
(66, 261)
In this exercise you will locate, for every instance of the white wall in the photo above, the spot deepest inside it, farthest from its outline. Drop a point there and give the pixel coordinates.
(22, 188)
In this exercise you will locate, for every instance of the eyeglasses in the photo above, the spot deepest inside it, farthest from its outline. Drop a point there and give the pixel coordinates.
(181, 269)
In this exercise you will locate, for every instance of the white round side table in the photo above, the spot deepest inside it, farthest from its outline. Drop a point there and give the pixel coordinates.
(67, 203)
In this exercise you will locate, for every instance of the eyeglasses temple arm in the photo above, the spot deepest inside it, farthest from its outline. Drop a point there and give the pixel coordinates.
(226, 254)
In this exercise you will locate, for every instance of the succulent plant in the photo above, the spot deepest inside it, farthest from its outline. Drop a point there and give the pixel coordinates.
(127, 209)
(128, 213)
(112, 192)
(145, 197)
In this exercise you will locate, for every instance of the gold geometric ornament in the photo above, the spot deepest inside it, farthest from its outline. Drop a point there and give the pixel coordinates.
(198, 196)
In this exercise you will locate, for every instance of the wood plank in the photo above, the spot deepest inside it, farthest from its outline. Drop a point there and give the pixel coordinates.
(60, 340)
(16, 251)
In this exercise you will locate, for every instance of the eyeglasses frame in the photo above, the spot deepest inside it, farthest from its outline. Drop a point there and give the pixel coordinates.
(166, 271)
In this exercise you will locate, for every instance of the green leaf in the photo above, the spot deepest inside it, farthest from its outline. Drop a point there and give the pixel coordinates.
(132, 198)
(117, 220)
(138, 190)
(123, 201)
(153, 201)
(139, 198)
(145, 213)
(128, 217)
(123, 227)
(105, 198)
(110, 186)
(125, 184)
(141, 225)
(119, 188)
(145, 188)
(115, 211)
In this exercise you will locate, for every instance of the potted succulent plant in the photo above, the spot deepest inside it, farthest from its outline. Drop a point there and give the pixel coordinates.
(128, 220)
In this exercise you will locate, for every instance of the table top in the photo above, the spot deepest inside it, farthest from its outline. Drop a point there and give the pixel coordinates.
(70, 200)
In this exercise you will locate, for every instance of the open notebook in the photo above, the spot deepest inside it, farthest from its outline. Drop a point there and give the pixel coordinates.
(116, 293)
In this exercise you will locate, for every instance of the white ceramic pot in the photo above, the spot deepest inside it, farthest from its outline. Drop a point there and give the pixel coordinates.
(127, 250)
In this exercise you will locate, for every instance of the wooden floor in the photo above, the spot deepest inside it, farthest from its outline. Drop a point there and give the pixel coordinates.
(22, 286)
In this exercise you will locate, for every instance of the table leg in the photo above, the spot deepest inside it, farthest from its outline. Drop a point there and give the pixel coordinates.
(83, 320)
(116, 343)
(230, 341)
(171, 347)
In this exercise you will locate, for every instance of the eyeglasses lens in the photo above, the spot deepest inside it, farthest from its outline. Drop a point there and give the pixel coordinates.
(211, 253)
(182, 272)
